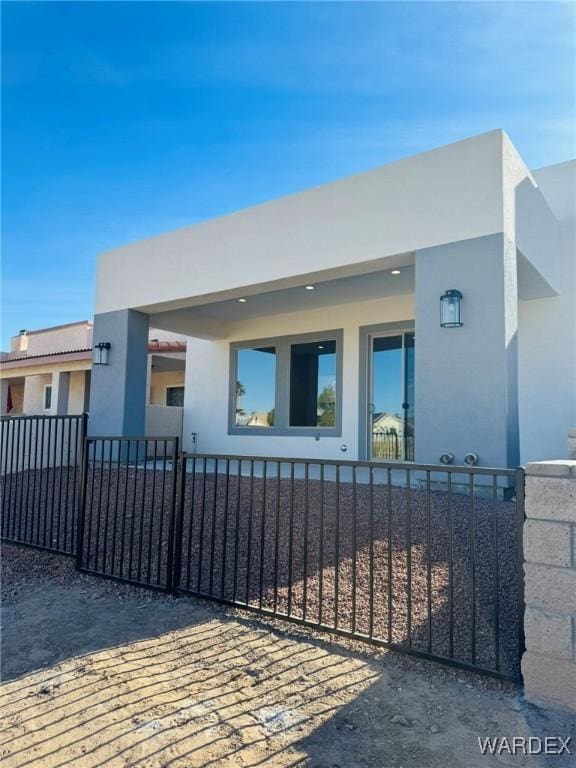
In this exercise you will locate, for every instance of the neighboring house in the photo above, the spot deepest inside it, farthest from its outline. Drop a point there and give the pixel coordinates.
(387, 424)
(320, 311)
(48, 372)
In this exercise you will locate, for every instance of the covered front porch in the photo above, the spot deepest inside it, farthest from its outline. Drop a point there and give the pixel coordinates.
(313, 322)
(355, 366)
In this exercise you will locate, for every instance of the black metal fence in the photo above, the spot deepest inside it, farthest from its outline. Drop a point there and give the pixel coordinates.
(126, 529)
(40, 474)
(422, 559)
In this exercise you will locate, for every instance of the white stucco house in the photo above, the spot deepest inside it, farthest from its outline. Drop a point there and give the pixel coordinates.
(310, 316)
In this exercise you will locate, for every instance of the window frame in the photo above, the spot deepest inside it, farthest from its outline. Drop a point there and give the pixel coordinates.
(173, 386)
(46, 388)
(282, 345)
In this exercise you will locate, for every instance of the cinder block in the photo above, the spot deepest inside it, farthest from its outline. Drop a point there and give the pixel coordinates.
(552, 589)
(556, 468)
(549, 681)
(549, 634)
(547, 542)
(551, 498)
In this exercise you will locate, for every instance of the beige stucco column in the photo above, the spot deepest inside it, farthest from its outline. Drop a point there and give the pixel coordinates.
(34, 394)
(549, 664)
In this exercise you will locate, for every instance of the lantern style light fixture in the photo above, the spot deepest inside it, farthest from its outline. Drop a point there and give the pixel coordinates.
(101, 353)
(450, 309)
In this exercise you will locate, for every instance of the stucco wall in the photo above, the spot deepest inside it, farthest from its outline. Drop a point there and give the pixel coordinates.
(163, 421)
(34, 393)
(547, 336)
(28, 397)
(59, 339)
(466, 378)
(547, 376)
(160, 381)
(448, 194)
(207, 364)
(8, 372)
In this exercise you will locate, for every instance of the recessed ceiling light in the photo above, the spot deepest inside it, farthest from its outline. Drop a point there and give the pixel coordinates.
(320, 346)
(242, 301)
(395, 272)
(310, 287)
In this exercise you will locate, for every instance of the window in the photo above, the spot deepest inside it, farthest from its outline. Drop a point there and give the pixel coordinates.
(313, 384)
(175, 396)
(255, 387)
(47, 397)
(290, 385)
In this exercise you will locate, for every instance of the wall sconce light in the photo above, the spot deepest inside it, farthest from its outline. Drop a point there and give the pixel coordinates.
(450, 309)
(101, 353)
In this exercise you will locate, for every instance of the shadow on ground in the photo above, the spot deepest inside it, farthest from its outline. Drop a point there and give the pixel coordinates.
(99, 674)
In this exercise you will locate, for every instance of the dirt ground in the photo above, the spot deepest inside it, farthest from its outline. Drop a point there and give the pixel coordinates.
(102, 674)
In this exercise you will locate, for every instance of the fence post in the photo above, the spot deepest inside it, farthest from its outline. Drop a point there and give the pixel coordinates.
(520, 482)
(549, 663)
(179, 526)
(82, 499)
(170, 558)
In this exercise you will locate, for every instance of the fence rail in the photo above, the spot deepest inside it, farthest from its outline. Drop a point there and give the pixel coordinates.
(424, 559)
(40, 473)
(419, 558)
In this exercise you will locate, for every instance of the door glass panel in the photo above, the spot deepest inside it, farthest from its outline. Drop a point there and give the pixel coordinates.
(391, 419)
(409, 350)
(386, 418)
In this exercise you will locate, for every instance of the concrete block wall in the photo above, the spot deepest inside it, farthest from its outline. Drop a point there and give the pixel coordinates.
(549, 664)
(572, 443)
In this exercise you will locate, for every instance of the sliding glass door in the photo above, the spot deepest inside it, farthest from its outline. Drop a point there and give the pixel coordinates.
(391, 397)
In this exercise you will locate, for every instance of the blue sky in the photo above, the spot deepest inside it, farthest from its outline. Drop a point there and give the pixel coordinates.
(122, 120)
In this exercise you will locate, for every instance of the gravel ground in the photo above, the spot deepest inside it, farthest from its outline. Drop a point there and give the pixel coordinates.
(98, 673)
(39, 507)
(372, 560)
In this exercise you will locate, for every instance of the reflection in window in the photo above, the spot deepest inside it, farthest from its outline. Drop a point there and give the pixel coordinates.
(255, 387)
(313, 384)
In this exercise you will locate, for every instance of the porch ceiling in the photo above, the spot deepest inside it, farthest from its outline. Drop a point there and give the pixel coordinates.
(169, 363)
(215, 319)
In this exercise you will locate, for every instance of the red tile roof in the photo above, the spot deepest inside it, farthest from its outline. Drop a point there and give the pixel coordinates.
(166, 346)
(85, 352)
